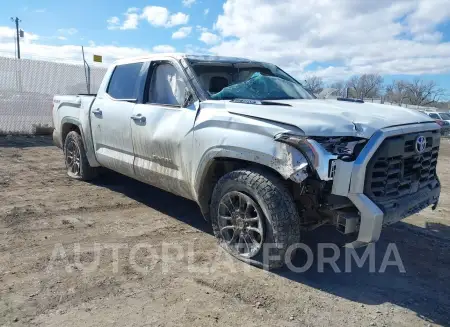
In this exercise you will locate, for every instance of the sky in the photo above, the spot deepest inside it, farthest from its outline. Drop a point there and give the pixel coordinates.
(334, 39)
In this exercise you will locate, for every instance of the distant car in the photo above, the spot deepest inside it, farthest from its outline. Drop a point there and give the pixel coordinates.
(439, 115)
(445, 126)
(441, 118)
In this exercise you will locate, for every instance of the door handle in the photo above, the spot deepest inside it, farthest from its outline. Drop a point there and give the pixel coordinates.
(138, 118)
(97, 111)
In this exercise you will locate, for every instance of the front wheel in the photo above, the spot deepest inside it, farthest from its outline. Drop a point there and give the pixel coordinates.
(254, 217)
(76, 161)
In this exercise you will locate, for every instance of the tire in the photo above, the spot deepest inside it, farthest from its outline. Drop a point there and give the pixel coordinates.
(273, 206)
(75, 158)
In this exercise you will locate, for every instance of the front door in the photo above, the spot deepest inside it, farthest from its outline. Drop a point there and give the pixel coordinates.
(111, 119)
(162, 131)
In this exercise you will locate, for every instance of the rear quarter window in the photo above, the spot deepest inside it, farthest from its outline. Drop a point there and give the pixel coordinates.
(123, 82)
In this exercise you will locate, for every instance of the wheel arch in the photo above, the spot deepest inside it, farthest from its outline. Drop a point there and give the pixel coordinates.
(220, 161)
(69, 124)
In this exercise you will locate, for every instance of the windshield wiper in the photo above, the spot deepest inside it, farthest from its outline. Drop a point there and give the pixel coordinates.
(259, 102)
(272, 103)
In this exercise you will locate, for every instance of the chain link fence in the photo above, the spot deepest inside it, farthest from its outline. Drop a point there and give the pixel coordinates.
(27, 88)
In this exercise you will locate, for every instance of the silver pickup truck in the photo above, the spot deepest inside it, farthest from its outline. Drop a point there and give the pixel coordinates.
(264, 159)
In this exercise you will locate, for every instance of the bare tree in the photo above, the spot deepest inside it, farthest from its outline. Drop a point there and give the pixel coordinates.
(397, 92)
(340, 86)
(367, 85)
(314, 84)
(422, 93)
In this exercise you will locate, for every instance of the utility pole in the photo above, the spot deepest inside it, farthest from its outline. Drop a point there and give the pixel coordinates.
(17, 21)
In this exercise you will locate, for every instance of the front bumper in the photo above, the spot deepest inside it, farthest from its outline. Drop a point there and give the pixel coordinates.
(411, 204)
(349, 182)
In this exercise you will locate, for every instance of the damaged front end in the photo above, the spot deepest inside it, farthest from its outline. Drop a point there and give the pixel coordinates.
(361, 185)
(317, 204)
(321, 152)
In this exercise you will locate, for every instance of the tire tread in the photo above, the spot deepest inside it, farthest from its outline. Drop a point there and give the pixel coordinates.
(282, 211)
(86, 172)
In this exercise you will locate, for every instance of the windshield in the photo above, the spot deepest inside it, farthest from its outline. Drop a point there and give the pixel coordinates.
(445, 116)
(247, 80)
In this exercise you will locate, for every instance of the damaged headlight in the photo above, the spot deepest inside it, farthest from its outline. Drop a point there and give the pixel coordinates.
(322, 152)
(343, 147)
(346, 147)
(301, 143)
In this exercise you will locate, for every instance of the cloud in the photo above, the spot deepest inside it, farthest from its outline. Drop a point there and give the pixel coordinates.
(178, 19)
(131, 21)
(8, 34)
(209, 38)
(188, 3)
(200, 28)
(62, 38)
(193, 49)
(71, 53)
(163, 48)
(113, 23)
(340, 37)
(42, 10)
(182, 33)
(68, 31)
(428, 14)
(206, 11)
(32, 47)
(161, 17)
(432, 37)
(155, 15)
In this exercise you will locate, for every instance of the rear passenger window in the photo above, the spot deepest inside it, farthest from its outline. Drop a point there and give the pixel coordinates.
(124, 81)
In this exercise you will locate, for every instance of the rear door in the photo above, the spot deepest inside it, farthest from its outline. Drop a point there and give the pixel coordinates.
(111, 118)
(162, 129)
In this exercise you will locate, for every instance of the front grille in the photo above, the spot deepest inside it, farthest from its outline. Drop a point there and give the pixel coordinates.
(397, 170)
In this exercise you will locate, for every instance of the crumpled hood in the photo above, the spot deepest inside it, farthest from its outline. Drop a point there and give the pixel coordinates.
(332, 117)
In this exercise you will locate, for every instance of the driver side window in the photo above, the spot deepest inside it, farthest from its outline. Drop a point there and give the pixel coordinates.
(167, 86)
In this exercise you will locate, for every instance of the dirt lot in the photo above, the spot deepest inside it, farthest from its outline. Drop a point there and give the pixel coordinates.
(45, 215)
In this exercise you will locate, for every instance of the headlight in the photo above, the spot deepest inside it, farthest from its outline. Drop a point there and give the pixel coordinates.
(339, 146)
(301, 143)
(346, 147)
(321, 152)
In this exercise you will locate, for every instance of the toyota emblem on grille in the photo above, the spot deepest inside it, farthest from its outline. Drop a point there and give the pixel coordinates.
(421, 144)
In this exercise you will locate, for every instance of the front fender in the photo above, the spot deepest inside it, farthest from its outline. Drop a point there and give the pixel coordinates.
(284, 159)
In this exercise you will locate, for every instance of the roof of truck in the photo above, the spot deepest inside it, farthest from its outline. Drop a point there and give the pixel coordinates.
(179, 56)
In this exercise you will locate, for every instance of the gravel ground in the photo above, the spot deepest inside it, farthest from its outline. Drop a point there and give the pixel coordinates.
(58, 266)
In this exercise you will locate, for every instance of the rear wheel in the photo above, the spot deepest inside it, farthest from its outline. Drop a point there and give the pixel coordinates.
(254, 217)
(75, 158)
